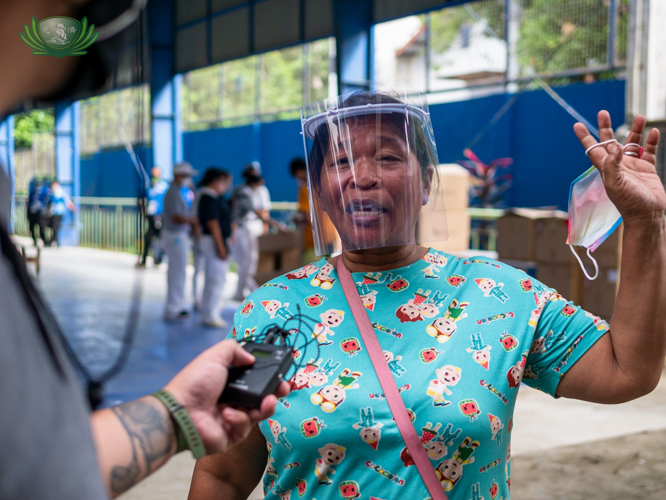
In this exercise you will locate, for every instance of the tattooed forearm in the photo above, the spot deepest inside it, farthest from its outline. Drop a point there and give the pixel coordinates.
(151, 438)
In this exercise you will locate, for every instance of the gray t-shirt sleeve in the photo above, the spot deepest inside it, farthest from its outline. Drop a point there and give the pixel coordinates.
(174, 204)
(46, 447)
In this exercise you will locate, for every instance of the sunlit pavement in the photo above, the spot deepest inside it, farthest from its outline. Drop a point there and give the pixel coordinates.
(91, 290)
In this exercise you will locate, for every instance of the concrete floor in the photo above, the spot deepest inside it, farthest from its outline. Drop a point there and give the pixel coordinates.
(91, 291)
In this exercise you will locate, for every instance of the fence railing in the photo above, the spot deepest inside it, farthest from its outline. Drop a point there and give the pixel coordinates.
(116, 223)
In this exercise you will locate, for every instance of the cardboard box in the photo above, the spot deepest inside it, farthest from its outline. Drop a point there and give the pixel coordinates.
(458, 227)
(599, 295)
(551, 241)
(517, 231)
(449, 214)
(557, 276)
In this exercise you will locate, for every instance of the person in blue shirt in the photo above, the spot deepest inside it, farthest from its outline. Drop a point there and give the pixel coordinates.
(153, 213)
(57, 203)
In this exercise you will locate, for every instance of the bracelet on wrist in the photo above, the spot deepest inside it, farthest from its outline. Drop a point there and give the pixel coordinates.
(186, 432)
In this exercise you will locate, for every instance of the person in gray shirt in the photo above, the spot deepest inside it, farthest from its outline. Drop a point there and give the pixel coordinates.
(51, 445)
(179, 222)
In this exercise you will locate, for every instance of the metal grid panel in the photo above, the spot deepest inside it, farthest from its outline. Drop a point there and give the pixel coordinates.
(218, 5)
(230, 37)
(189, 10)
(318, 18)
(276, 23)
(191, 47)
(393, 9)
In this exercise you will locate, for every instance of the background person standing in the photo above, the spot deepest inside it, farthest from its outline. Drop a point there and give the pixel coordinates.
(215, 220)
(178, 223)
(249, 217)
(35, 208)
(153, 212)
(57, 202)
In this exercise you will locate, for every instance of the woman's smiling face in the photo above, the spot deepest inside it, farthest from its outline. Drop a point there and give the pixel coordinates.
(371, 184)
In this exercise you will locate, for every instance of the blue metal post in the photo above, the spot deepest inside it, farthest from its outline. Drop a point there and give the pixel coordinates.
(354, 44)
(165, 88)
(7, 159)
(68, 167)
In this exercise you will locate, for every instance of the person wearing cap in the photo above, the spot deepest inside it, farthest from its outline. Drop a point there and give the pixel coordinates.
(456, 336)
(250, 213)
(178, 222)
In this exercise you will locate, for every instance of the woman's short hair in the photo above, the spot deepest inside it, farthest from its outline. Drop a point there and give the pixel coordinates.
(213, 174)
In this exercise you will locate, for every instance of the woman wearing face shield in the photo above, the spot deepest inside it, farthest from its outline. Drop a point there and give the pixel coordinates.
(458, 335)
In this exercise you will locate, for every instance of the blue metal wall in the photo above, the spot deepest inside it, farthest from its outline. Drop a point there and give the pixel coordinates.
(535, 132)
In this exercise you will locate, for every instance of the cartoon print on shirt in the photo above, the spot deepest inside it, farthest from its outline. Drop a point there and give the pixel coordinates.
(351, 346)
(275, 308)
(323, 277)
(314, 300)
(411, 311)
(311, 427)
(526, 285)
(515, 373)
(429, 354)
(568, 310)
(435, 262)
(456, 280)
(443, 328)
(476, 492)
(301, 486)
(447, 376)
(331, 454)
(601, 325)
(270, 469)
(430, 308)
(302, 273)
(368, 295)
(494, 490)
(394, 363)
(279, 433)
(284, 494)
(371, 431)
(450, 471)
(349, 490)
(329, 319)
(248, 335)
(469, 408)
(496, 426)
(331, 396)
(397, 284)
(435, 448)
(492, 289)
(508, 341)
(246, 309)
(480, 351)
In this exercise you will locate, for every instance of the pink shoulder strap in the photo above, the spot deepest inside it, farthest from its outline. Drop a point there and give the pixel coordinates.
(396, 404)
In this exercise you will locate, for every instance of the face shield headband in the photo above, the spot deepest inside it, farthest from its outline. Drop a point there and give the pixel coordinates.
(372, 171)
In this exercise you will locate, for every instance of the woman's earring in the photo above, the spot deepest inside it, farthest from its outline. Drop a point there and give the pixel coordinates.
(425, 198)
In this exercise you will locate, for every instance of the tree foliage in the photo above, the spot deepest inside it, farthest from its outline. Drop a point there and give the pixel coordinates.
(26, 125)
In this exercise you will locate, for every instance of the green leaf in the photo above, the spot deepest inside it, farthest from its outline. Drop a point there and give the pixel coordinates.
(29, 43)
(84, 40)
(89, 43)
(37, 41)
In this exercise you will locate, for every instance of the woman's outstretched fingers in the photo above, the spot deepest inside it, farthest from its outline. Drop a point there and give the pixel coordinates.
(612, 167)
(597, 154)
(605, 126)
(650, 148)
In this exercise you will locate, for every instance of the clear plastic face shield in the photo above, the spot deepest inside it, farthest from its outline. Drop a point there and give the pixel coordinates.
(372, 170)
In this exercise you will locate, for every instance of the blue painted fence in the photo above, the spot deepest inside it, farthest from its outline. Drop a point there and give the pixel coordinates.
(536, 132)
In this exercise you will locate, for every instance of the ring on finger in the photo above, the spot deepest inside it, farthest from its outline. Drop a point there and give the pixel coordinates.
(637, 154)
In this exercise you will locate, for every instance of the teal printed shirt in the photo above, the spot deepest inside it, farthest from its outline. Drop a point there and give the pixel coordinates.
(459, 336)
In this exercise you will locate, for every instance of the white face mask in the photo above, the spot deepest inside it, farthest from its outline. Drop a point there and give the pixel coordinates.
(592, 215)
